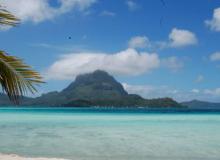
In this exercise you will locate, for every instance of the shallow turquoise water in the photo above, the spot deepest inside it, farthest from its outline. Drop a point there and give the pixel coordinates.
(89, 134)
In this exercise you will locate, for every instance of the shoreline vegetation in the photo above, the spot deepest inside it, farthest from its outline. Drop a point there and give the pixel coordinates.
(111, 110)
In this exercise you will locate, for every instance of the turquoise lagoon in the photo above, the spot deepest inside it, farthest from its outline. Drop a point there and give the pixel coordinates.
(110, 134)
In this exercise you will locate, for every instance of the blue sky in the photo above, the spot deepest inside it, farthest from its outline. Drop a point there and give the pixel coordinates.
(155, 49)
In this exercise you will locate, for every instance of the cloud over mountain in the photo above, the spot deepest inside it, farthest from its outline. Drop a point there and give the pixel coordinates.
(128, 62)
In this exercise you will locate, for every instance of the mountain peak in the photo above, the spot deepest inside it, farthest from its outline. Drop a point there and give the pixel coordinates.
(96, 75)
(95, 85)
(98, 71)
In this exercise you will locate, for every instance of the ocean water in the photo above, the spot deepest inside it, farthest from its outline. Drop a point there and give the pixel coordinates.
(110, 134)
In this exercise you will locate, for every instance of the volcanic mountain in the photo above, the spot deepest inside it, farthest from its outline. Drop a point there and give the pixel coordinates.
(95, 89)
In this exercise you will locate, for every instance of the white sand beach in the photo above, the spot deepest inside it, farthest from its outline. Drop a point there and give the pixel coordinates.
(16, 157)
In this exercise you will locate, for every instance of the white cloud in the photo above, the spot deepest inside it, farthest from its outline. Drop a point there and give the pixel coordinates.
(139, 42)
(152, 91)
(173, 63)
(195, 91)
(127, 62)
(215, 56)
(177, 38)
(214, 23)
(213, 92)
(182, 38)
(138, 89)
(132, 6)
(108, 13)
(149, 91)
(60, 47)
(199, 78)
(40, 10)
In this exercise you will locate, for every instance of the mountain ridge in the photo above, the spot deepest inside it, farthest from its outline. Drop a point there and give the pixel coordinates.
(198, 104)
(96, 89)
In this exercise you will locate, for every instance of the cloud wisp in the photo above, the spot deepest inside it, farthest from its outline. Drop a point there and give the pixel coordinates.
(173, 63)
(215, 56)
(139, 42)
(199, 79)
(108, 13)
(132, 6)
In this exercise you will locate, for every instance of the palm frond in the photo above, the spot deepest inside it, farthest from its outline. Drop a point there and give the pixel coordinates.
(16, 78)
(6, 18)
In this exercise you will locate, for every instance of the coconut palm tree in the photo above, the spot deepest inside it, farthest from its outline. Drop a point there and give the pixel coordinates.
(16, 78)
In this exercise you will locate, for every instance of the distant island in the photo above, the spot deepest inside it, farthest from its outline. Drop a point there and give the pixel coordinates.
(94, 90)
(99, 89)
(196, 104)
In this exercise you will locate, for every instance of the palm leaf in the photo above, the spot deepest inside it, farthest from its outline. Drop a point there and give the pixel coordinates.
(16, 78)
(6, 18)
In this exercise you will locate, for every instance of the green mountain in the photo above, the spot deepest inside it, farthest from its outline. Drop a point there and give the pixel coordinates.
(196, 104)
(96, 89)
(4, 100)
(93, 86)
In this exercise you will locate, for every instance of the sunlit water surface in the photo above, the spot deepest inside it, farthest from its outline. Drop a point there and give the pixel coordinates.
(93, 134)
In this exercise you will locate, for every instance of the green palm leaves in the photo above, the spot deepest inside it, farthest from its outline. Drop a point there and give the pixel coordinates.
(16, 78)
(6, 18)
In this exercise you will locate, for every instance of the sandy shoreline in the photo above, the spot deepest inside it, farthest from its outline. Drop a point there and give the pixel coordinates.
(16, 157)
